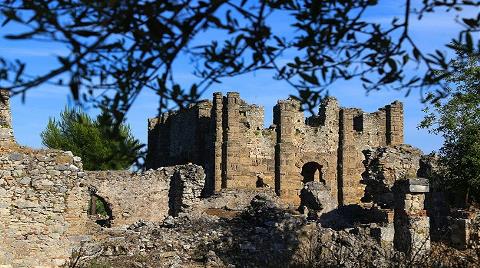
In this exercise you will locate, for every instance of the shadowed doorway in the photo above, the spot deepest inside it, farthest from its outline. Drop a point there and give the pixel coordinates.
(312, 171)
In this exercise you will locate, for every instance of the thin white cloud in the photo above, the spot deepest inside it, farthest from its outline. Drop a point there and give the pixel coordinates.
(32, 52)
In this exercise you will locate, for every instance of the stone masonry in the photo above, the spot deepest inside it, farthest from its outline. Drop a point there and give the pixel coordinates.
(46, 199)
(341, 157)
(412, 225)
(6, 130)
(228, 139)
(151, 195)
(43, 208)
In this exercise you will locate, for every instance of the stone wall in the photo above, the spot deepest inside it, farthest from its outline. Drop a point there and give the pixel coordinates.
(391, 175)
(182, 137)
(228, 139)
(46, 198)
(383, 166)
(151, 195)
(6, 130)
(306, 146)
(248, 148)
(43, 206)
(360, 131)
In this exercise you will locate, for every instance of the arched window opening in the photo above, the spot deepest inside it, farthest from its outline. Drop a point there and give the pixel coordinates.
(100, 210)
(260, 182)
(312, 171)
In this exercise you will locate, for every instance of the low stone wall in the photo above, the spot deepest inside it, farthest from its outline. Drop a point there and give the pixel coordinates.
(43, 207)
(151, 195)
(45, 200)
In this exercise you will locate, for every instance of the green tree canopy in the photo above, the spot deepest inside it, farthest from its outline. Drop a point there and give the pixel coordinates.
(457, 119)
(99, 145)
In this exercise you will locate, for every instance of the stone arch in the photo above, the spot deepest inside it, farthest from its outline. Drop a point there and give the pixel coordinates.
(100, 210)
(312, 171)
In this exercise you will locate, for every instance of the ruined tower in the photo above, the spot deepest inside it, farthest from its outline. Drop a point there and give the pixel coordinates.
(228, 139)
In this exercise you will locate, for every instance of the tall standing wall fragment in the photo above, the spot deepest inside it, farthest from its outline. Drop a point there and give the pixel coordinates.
(6, 131)
(241, 153)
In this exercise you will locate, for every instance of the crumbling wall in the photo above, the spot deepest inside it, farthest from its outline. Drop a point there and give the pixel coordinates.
(43, 206)
(151, 195)
(260, 148)
(301, 142)
(42, 202)
(6, 130)
(385, 165)
(238, 152)
(360, 131)
(183, 137)
(392, 182)
(45, 200)
(131, 196)
(248, 148)
(226, 137)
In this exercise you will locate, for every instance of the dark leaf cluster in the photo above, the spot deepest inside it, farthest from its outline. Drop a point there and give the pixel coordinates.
(118, 48)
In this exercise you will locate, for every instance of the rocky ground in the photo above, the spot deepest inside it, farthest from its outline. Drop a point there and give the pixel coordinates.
(261, 234)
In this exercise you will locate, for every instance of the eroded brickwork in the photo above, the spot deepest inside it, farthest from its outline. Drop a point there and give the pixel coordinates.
(227, 137)
(48, 204)
(43, 207)
(46, 199)
(151, 195)
(6, 130)
(306, 149)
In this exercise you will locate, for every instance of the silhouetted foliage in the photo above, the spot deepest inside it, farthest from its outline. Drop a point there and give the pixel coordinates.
(118, 48)
(457, 119)
(96, 141)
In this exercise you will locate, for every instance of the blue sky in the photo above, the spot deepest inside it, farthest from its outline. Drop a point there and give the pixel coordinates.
(46, 101)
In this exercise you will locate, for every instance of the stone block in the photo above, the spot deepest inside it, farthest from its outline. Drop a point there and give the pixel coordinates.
(419, 188)
(412, 185)
(384, 234)
(459, 232)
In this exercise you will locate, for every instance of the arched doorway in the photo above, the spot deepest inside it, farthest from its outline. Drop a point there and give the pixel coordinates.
(100, 210)
(312, 171)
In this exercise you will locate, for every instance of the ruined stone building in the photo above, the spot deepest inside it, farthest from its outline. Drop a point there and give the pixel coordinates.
(227, 137)
(48, 202)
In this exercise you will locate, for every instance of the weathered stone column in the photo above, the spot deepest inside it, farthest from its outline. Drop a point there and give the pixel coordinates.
(394, 123)
(231, 136)
(412, 225)
(285, 179)
(6, 130)
(217, 139)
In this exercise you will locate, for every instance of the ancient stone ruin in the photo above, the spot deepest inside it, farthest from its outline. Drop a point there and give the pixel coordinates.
(228, 139)
(218, 179)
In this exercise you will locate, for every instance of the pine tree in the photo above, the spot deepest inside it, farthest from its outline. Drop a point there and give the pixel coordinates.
(100, 145)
